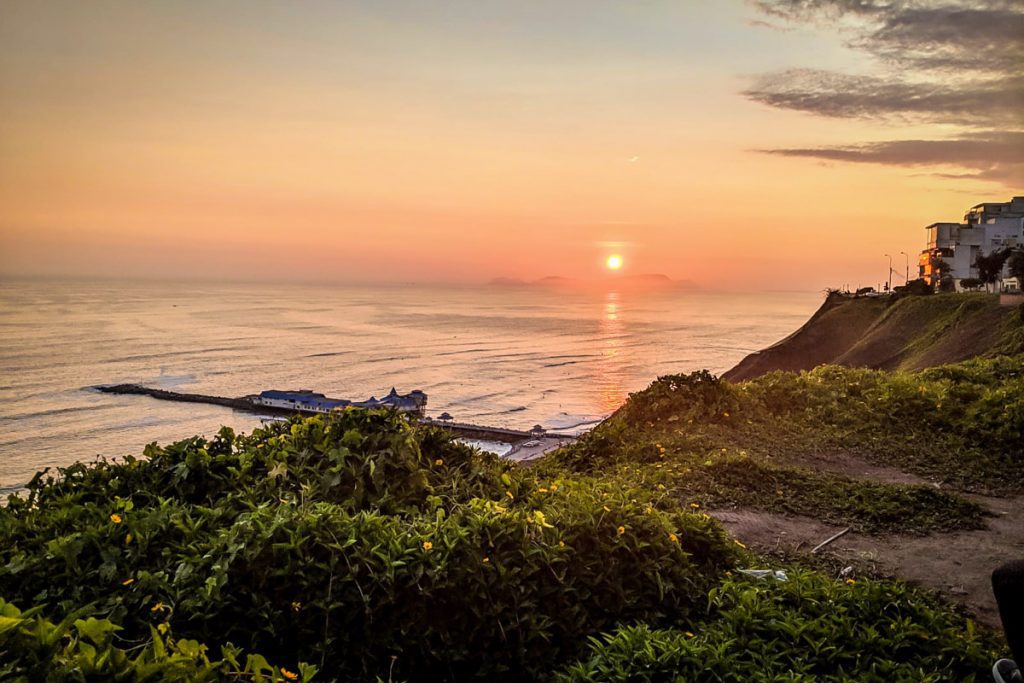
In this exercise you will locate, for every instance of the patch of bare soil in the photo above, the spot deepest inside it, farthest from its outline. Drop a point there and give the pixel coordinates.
(958, 564)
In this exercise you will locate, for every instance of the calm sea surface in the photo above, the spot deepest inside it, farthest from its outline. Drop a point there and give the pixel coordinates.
(497, 356)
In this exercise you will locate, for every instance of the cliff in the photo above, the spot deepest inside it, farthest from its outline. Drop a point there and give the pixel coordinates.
(905, 333)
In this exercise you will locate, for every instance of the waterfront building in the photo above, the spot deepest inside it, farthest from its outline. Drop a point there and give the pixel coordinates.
(307, 401)
(953, 248)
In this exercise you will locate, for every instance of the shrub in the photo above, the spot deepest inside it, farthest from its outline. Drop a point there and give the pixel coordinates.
(292, 544)
(34, 649)
(805, 628)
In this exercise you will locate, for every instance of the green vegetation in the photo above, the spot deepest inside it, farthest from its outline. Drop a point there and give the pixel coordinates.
(804, 629)
(356, 543)
(743, 444)
(359, 546)
(34, 649)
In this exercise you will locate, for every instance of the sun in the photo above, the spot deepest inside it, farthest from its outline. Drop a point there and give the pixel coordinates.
(614, 262)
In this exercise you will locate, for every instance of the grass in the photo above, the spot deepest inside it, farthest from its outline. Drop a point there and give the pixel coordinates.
(748, 444)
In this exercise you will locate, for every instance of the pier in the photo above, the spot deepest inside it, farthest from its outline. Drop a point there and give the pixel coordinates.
(526, 445)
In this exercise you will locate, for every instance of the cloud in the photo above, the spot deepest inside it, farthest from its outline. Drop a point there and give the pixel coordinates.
(986, 39)
(984, 102)
(988, 156)
(958, 64)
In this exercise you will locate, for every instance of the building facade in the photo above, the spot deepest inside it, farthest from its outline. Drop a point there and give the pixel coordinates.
(953, 248)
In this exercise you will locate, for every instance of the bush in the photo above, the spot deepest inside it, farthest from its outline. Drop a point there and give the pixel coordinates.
(292, 543)
(34, 649)
(805, 628)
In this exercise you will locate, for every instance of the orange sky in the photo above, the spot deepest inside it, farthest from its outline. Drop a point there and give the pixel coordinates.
(470, 140)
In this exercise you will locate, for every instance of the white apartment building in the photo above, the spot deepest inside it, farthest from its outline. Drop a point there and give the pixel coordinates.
(986, 228)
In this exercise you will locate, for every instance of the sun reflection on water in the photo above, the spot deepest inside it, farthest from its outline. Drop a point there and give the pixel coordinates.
(611, 377)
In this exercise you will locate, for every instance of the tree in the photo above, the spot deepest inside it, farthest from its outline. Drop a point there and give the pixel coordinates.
(971, 283)
(918, 287)
(990, 266)
(1015, 264)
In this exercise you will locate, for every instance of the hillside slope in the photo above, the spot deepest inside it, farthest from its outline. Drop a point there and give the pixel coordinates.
(907, 333)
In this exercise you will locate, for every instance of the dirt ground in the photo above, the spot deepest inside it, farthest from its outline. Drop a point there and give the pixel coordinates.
(957, 564)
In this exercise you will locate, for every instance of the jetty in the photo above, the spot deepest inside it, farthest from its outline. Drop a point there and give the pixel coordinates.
(526, 445)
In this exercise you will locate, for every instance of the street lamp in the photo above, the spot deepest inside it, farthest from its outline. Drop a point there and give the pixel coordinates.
(906, 272)
(888, 277)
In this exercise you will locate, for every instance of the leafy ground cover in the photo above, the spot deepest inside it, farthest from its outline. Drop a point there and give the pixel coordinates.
(360, 546)
(716, 443)
(804, 629)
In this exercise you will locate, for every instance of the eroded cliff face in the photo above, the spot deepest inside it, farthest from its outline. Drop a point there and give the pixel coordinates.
(907, 333)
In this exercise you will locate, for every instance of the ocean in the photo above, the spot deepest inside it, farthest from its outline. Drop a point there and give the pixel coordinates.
(499, 356)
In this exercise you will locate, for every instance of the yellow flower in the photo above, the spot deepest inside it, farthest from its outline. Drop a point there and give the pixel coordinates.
(157, 607)
(738, 543)
(673, 538)
(296, 606)
(427, 545)
(127, 582)
(850, 582)
(554, 487)
(439, 461)
(116, 518)
(689, 634)
(290, 675)
(487, 560)
(561, 544)
(621, 530)
(725, 414)
(695, 506)
(606, 508)
(661, 487)
(509, 494)
(542, 490)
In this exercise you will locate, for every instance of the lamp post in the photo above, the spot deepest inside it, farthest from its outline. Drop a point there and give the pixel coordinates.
(906, 272)
(888, 276)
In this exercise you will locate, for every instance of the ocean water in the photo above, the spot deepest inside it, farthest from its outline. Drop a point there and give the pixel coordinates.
(498, 356)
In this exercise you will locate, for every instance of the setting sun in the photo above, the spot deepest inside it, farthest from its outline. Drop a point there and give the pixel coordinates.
(614, 262)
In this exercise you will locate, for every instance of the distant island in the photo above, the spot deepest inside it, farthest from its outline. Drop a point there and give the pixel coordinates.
(643, 281)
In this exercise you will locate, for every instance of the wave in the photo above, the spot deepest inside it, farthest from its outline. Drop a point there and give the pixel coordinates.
(52, 412)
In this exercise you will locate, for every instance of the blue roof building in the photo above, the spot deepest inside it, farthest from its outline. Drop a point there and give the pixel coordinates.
(306, 401)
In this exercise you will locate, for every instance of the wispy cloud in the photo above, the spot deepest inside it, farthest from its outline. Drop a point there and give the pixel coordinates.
(957, 64)
(997, 101)
(989, 156)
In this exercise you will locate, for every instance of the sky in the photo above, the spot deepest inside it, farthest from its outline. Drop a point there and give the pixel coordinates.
(780, 144)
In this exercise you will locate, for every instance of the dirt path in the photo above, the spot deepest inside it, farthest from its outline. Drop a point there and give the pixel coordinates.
(956, 564)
